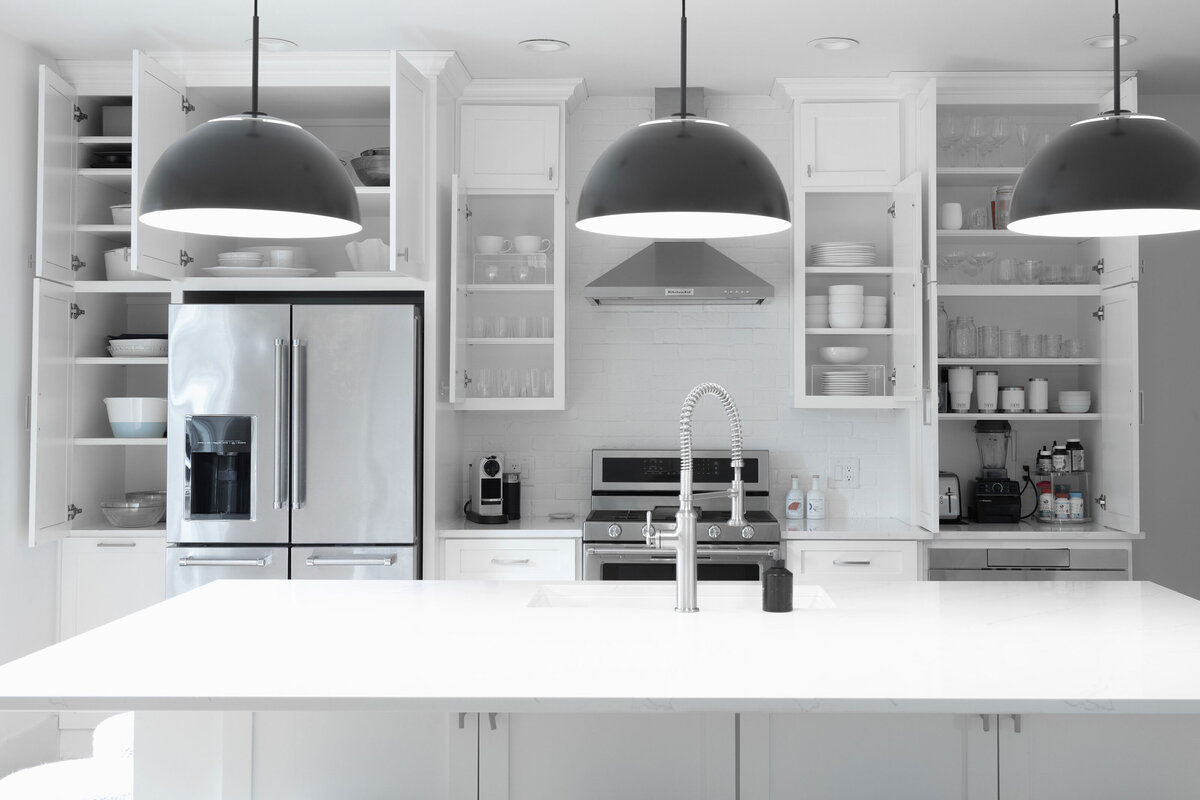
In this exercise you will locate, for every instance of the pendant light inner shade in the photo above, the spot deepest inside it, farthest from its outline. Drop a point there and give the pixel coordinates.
(1119, 174)
(250, 176)
(683, 179)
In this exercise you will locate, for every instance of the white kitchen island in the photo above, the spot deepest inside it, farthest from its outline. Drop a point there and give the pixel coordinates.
(460, 689)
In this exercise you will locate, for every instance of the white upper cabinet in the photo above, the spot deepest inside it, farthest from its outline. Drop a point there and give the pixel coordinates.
(509, 147)
(409, 160)
(849, 144)
(56, 159)
(158, 120)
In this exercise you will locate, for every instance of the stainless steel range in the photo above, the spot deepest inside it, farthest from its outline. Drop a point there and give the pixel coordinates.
(628, 484)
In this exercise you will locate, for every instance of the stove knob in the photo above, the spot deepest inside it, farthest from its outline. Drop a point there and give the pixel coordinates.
(714, 532)
(614, 531)
(748, 532)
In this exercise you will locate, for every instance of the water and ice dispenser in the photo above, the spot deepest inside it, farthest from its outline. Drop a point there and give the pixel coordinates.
(218, 475)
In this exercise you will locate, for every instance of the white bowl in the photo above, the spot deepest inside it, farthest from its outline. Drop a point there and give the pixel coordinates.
(240, 259)
(820, 320)
(874, 300)
(846, 288)
(843, 355)
(1074, 402)
(137, 417)
(845, 320)
(282, 255)
(122, 214)
(117, 266)
(846, 308)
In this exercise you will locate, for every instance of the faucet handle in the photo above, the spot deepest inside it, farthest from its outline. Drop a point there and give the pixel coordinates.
(649, 532)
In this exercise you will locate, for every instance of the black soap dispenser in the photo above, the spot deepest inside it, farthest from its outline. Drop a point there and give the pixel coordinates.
(777, 588)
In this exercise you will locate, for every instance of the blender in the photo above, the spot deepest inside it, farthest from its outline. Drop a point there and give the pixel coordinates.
(996, 499)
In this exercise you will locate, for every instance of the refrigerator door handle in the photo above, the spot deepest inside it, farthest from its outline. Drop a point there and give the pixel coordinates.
(299, 414)
(282, 362)
(326, 561)
(194, 561)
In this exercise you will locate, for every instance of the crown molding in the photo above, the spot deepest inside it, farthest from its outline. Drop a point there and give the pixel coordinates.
(571, 91)
(787, 91)
(1019, 87)
(444, 65)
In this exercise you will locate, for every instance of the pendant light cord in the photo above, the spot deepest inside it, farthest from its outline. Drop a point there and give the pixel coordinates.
(254, 67)
(682, 61)
(1117, 110)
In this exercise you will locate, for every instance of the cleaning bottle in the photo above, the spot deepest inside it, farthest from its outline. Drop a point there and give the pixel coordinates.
(794, 501)
(816, 499)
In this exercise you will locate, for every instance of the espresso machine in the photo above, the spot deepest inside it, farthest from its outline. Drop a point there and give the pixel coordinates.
(995, 497)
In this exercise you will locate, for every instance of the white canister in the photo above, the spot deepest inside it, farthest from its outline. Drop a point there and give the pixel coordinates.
(950, 217)
(1038, 397)
(1012, 399)
(117, 266)
(987, 387)
(960, 389)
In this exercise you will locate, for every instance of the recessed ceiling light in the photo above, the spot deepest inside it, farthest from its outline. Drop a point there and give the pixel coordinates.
(544, 45)
(1106, 41)
(834, 43)
(272, 44)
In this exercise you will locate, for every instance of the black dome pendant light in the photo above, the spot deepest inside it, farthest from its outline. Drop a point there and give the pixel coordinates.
(1118, 174)
(250, 175)
(683, 178)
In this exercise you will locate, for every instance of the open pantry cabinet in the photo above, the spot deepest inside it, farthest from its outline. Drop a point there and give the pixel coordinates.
(1063, 310)
(508, 315)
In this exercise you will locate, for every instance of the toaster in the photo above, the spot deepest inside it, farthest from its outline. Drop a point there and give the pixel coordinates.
(949, 498)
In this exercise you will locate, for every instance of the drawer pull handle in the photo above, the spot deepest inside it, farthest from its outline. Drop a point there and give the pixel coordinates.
(842, 562)
(509, 561)
(116, 544)
(192, 561)
(325, 561)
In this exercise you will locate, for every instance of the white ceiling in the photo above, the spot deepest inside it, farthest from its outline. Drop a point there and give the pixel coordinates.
(627, 47)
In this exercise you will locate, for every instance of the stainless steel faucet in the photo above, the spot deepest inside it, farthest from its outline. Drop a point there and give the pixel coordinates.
(684, 533)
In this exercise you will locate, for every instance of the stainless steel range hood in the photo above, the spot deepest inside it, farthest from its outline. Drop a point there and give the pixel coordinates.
(678, 273)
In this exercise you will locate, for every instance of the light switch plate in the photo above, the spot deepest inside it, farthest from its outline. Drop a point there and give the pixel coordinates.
(843, 472)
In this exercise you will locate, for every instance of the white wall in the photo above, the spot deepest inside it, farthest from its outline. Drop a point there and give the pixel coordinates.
(628, 370)
(28, 577)
(1169, 332)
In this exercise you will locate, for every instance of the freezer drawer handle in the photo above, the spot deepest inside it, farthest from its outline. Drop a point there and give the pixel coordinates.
(299, 414)
(842, 562)
(281, 423)
(192, 561)
(509, 561)
(319, 561)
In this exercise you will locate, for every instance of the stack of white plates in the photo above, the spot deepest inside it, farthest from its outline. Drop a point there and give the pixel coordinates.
(874, 311)
(240, 258)
(816, 311)
(842, 254)
(846, 306)
(845, 382)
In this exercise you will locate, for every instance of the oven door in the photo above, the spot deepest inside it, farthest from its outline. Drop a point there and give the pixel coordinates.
(642, 563)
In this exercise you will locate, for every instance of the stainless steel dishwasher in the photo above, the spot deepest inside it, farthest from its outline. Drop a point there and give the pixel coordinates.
(1028, 564)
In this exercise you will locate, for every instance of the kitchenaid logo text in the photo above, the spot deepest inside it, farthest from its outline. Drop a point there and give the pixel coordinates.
(679, 292)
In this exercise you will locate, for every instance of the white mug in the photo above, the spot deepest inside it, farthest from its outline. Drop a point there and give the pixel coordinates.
(492, 245)
(951, 217)
(527, 244)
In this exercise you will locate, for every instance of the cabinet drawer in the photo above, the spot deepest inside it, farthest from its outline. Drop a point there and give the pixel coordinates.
(512, 559)
(852, 561)
(349, 562)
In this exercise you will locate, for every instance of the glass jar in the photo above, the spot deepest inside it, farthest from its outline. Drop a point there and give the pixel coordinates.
(970, 338)
(943, 334)
(1010, 343)
(989, 341)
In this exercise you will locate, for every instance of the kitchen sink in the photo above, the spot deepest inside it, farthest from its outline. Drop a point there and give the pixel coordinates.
(661, 595)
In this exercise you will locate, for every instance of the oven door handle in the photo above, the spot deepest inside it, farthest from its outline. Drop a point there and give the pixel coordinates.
(701, 550)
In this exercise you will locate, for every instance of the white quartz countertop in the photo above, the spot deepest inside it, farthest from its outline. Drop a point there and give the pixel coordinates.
(989, 647)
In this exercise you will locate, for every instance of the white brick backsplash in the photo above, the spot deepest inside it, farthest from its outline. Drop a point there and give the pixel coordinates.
(629, 369)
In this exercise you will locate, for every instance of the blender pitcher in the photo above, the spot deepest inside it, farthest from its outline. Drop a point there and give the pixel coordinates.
(993, 438)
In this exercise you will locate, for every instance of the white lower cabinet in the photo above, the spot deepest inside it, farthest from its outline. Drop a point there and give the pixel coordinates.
(835, 561)
(104, 578)
(511, 559)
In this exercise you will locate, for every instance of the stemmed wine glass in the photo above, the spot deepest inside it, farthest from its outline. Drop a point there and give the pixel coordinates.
(976, 136)
(1001, 130)
(1024, 137)
(949, 132)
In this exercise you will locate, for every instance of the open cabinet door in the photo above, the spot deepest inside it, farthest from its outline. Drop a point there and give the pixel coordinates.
(158, 120)
(50, 414)
(906, 288)
(459, 231)
(409, 167)
(58, 137)
(925, 423)
(1118, 468)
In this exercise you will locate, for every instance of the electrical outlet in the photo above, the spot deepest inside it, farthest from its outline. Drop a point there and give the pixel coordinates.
(523, 464)
(843, 472)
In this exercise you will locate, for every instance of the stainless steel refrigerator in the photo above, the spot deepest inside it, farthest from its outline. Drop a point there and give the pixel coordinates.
(293, 442)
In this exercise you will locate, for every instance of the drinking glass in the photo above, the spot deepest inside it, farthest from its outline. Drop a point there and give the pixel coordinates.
(520, 326)
(1030, 271)
(508, 382)
(485, 379)
(500, 327)
(545, 326)
(1006, 272)
(1072, 348)
(481, 327)
(1010, 343)
(1000, 132)
(976, 136)
(979, 219)
(989, 341)
(949, 132)
(1054, 343)
(1033, 346)
(1053, 274)
(1025, 133)
(547, 381)
(1077, 273)
(980, 260)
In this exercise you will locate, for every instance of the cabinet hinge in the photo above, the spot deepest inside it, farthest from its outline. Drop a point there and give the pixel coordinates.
(1098, 267)
(185, 105)
(1099, 313)
(466, 380)
(80, 116)
(76, 311)
(77, 263)
(184, 258)
(73, 511)
(31, 260)
(892, 377)
(403, 254)
(1102, 501)
(892, 210)
(468, 213)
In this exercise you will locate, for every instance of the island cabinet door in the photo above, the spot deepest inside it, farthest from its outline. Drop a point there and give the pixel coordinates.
(604, 756)
(834, 756)
(1099, 755)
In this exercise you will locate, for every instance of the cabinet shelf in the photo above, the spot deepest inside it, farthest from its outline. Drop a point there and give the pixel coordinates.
(374, 201)
(978, 176)
(852, 401)
(105, 140)
(849, 331)
(115, 176)
(1040, 290)
(496, 340)
(861, 270)
(500, 288)
(112, 441)
(119, 361)
(1019, 362)
(987, 236)
(105, 229)
(1048, 417)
